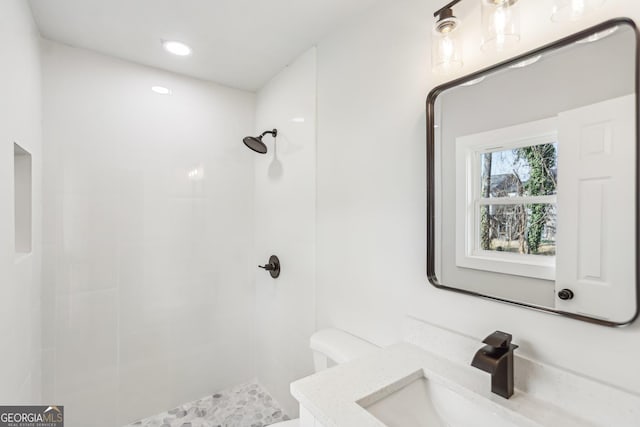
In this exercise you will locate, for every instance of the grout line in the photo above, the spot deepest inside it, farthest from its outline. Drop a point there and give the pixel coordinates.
(315, 222)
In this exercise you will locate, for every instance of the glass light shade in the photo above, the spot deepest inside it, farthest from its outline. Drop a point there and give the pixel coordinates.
(572, 10)
(446, 50)
(500, 25)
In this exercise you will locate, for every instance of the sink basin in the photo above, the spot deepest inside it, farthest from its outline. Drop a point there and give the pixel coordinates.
(425, 403)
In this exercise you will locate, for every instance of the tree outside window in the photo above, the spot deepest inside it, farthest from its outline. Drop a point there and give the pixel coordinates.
(516, 212)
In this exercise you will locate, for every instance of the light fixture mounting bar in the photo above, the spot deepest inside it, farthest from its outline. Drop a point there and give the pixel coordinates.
(447, 6)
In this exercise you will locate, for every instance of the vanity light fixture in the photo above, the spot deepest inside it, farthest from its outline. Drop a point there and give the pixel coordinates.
(572, 10)
(446, 48)
(500, 25)
(177, 48)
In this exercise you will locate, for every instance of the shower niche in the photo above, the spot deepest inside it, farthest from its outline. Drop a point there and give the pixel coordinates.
(22, 182)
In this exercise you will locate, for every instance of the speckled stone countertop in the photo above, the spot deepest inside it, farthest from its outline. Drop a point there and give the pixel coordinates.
(332, 396)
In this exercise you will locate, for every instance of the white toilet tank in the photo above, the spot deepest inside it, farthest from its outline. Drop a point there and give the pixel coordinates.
(338, 346)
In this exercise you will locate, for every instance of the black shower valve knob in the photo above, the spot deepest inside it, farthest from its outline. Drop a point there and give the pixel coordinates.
(273, 266)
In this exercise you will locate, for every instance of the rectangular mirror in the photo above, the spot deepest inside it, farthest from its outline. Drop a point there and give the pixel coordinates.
(533, 177)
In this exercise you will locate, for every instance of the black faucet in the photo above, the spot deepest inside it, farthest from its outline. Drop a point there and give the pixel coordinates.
(496, 358)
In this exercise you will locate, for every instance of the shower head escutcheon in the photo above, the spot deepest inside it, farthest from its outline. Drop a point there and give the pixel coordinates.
(255, 142)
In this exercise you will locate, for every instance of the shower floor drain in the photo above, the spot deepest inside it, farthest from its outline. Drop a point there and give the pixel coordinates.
(245, 405)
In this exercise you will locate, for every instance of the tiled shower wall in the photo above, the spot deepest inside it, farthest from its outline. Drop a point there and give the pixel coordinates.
(20, 122)
(285, 218)
(149, 217)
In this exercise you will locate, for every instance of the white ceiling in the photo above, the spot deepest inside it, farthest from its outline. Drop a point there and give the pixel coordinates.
(239, 43)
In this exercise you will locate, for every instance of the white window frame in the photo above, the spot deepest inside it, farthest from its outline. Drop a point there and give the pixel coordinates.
(469, 150)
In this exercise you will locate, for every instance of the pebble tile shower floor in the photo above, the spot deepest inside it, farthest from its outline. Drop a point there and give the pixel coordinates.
(245, 405)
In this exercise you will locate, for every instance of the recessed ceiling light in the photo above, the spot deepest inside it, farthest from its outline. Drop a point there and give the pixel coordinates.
(297, 120)
(161, 90)
(177, 48)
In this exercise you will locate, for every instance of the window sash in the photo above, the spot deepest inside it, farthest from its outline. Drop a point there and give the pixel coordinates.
(469, 149)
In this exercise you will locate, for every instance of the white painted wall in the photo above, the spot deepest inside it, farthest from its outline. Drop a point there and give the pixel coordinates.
(149, 217)
(20, 279)
(373, 79)
(285, 206)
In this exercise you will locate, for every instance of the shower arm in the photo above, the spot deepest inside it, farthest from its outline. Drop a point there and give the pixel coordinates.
(274, 133)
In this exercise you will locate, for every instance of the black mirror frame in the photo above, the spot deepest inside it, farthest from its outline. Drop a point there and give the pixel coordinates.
(430, 108)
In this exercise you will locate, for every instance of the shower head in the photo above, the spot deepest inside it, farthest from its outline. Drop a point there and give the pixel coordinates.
(255, 142)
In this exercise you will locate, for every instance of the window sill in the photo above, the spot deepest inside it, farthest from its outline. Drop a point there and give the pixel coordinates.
(513, 264)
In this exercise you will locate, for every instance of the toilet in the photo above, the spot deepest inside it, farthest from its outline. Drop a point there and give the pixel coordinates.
(333, 347)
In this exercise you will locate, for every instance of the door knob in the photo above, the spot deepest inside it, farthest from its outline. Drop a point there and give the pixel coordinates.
(565, 294)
